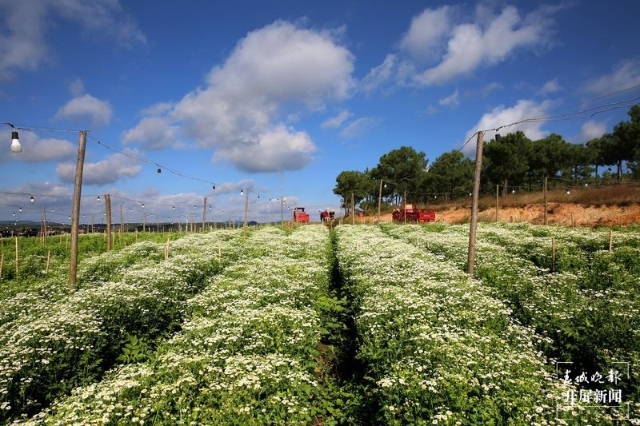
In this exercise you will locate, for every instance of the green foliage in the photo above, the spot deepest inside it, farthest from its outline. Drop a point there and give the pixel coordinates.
(508, 160)
(452, 174)
(351, 183)
(134, 350)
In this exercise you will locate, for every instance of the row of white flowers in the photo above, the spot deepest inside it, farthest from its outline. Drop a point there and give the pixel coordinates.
(247, 355)
(55, 345)
(438, 347)
(583, 311)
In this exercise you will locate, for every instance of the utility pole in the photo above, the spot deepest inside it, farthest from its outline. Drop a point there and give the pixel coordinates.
(474, 206)
(75, 216)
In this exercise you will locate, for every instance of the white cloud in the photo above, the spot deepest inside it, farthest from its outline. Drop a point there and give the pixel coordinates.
(591, 130)
(106, 171)
(23, 45)
(76, 87)
(242, 107)
(550, 86)
(624, 75)
(337, 121)
(36, 149)
(523, 110)
(450, 101)
(486, 90)
(471, 45)
(155, 133)
(278, 149)
(158, 109)
(86, 108)
(426, 33)
(379, 75)
(358, 127)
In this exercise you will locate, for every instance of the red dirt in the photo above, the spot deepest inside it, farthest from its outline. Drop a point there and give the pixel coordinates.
(566, 214)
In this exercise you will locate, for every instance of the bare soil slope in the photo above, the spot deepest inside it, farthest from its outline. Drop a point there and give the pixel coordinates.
(567, 214)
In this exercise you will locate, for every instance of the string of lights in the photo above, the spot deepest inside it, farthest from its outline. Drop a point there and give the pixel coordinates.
(110, 147)
(160, 167)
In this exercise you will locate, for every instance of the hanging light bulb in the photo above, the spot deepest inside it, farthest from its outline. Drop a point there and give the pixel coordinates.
(143, 205)
(15, 142)
(242, 192)
(98, 199)
(159, 170)
(214, 187)
(20, 208)
(31, 200)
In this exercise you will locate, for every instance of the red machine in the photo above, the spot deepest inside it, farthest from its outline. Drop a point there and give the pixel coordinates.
(412, 214)
(300, 216)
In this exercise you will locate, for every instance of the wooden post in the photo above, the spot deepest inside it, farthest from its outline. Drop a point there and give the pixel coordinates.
(553, 255)
(46, 271)
(166, 250)
(379, 201)
(1, 264)
(219, 252)
(471, 258)
(404, 205)
(16, 257)
(546, 206)
(75, 218)
(353, 209)
(246, 208)
(204, 213)
(282, 211)
(44, 225)
(107, 205)
(610, 240)
(497, 200)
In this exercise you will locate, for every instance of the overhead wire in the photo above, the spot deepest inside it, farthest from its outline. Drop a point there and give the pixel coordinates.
(583, 113)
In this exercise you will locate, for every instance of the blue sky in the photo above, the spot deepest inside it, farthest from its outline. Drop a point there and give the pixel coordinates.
(280, 97)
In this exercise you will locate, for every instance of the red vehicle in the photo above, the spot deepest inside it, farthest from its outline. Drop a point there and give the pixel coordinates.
(300, 216)
(412, 214)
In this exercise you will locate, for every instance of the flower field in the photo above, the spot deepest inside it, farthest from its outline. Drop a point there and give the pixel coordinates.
(358, 325)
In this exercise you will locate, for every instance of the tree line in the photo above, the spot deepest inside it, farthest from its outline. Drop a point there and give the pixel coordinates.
(510, 161)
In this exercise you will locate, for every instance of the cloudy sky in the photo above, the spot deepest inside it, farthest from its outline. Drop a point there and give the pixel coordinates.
(280, 97)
